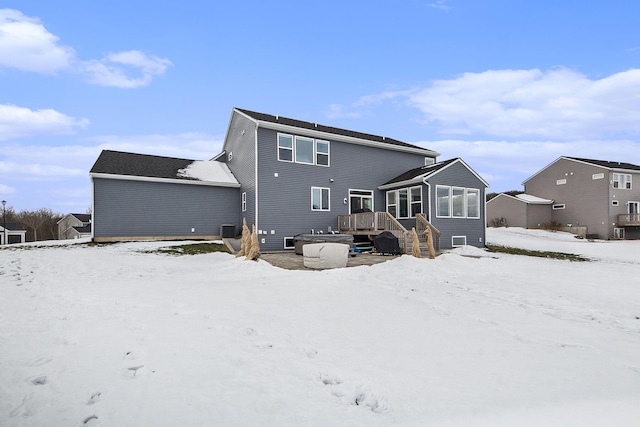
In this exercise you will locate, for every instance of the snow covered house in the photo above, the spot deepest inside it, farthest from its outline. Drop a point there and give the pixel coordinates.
(289, 177)
(74, 226)
(594, 197)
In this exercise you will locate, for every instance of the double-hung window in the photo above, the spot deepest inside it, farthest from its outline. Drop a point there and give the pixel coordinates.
(320, 199)
(392, 203)
(322, 153)
(622, 180)
(285, 148)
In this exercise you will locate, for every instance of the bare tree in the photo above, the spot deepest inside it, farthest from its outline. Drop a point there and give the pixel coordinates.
(41, 221)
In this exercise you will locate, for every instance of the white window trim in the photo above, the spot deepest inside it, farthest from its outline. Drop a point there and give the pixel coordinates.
(561, 181)
(409, 202)
(559, 206)
(328, 154)
(328, 199)
(438, 202)
(244, 201)
(361, 193)
(286, 148)
(464, 203)
(636, 204)
(615, 203)
(294, 153)
(597, 176)
(466, 199)
(619, 178)
(458, 237)
(295, 149)
(290, 239)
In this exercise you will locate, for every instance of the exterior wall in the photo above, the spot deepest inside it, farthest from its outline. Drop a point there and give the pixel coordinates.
(512, 210)
(586, 199)
(130, 209)
(623, 196)
(285, 199)
(474, 229)
(64, 227)
(240, 143)
(538, 215)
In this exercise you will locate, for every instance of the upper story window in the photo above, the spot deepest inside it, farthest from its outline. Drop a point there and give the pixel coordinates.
(285, 148)
(303, 150)
(622, 180)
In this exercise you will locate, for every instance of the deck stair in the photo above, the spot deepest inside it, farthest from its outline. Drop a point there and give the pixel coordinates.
(373, 223)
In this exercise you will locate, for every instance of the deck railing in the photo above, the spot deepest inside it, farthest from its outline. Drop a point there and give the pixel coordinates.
(626, 220)
(373, 223)
(421, 228)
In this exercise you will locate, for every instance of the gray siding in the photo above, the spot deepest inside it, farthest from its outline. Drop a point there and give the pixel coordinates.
(512, 210)
(586, 200)
(285, 200)
(151, 209)
(538, 215)
(458, 175)
(240, 142)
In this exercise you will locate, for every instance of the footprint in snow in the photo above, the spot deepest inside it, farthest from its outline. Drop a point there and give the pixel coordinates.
(41, 380)
(95, 397)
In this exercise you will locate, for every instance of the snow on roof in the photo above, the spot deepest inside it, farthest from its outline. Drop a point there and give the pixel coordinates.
(533, 199)
(211, 171)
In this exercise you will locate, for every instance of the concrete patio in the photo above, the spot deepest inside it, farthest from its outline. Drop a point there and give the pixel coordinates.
(291, 261)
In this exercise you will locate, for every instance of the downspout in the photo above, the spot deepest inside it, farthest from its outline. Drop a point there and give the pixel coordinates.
(255, 152)
(93, 207)
(424, 181)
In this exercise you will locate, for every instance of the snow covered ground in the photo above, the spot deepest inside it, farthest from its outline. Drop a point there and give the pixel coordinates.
(115, 336)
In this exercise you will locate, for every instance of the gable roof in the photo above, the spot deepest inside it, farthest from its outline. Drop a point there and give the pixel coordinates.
(598, 163)
(285, 123)
(417, 175)
(122, 165)
(85, 229)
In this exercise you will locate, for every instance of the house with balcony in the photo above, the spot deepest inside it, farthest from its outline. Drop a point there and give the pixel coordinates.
(598, 196)
(290, 177)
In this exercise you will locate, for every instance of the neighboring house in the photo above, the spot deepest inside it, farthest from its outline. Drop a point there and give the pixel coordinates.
(13, 233)
(289, 177)
(521, 210)
(74, 226)
(596, 194)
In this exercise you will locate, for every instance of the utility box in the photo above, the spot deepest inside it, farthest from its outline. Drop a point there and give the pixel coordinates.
(228, 231)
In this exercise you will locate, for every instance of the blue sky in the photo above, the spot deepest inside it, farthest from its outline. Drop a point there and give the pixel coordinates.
(508, 85)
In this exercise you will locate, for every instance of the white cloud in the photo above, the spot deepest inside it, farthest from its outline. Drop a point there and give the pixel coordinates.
(128, 69)
(559, 104)
(25, 44)
(439, 4)
(5, 189)
(18, 122)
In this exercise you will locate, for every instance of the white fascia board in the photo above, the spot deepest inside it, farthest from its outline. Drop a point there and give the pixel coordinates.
(343, 138)
(409, 182)
(458, 160)
(164, 180)
(556, 161)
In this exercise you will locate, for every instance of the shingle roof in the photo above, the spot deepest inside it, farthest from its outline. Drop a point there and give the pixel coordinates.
(82, 217)
(423, 170)
(120, 163)
(85, 229)
(328, 129)
(607, 164)
(13, 226)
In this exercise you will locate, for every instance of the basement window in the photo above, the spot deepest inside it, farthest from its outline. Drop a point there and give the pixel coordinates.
(457, 241)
